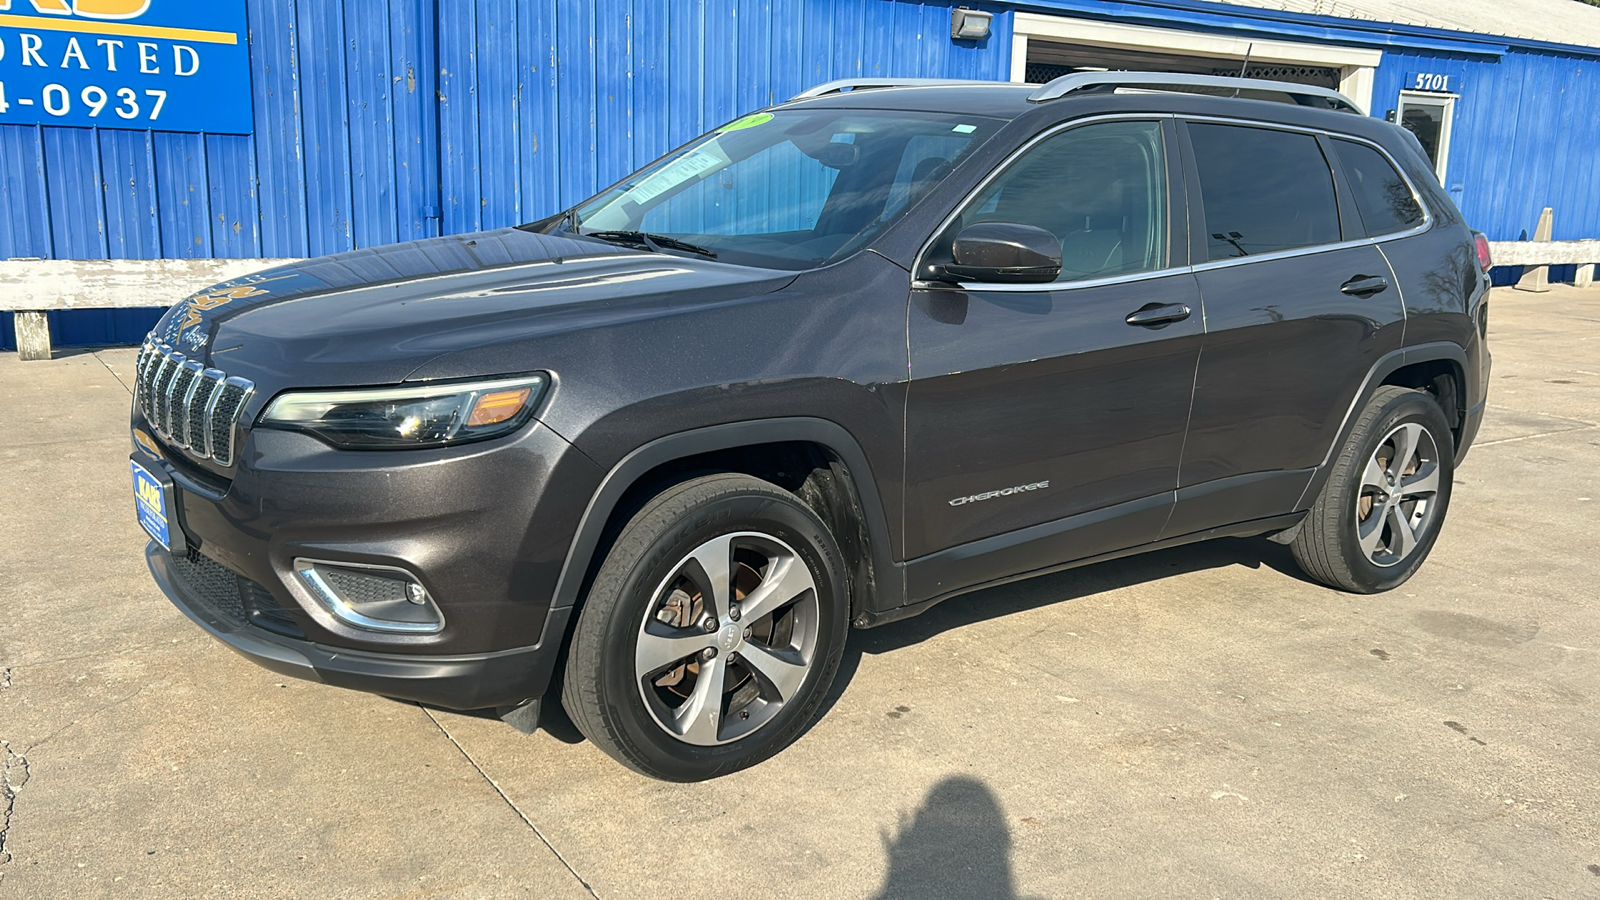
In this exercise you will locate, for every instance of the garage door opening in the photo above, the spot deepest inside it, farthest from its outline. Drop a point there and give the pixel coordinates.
(1045, 47)
(1050, 59)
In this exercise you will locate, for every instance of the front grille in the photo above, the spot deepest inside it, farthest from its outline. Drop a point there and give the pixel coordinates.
(189, 405)
(231, 596)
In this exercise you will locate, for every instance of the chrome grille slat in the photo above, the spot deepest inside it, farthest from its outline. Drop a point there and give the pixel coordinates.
(177, 398)
(146, 376)
(224, 427)
(163, 381)
(188, 405)
(200, 408)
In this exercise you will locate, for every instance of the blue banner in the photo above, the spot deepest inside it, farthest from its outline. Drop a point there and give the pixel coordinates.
(168, 65)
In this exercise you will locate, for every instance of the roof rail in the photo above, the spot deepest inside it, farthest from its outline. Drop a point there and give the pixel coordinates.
(1303, 94)
(856, 84)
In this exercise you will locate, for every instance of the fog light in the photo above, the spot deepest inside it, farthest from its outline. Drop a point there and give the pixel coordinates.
(377, 598)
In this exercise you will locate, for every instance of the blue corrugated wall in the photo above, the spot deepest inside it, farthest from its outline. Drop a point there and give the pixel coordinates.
(385, 120)
(1526, 136)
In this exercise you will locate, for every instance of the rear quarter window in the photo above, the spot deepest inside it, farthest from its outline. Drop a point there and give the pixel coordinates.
(1383, 198)
(1263, 190)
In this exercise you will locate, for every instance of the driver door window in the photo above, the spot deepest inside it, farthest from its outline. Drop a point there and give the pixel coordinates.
(1099, 189)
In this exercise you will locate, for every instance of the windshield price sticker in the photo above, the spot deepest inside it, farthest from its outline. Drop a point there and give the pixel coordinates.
(143, 64)
(691, 165)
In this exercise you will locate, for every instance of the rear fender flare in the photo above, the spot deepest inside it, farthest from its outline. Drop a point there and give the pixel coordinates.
(1386, 365)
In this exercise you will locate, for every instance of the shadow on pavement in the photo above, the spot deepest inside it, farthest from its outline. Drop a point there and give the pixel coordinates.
(1060, 587)
(956, 845)
(991, 603)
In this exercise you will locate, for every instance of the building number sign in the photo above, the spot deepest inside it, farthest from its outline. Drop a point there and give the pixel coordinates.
(1433, 82)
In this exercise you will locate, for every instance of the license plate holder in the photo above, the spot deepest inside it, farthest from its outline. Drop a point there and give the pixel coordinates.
(152, 501)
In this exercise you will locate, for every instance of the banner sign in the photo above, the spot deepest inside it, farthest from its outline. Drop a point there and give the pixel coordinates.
(168, 65)
(1432, 82)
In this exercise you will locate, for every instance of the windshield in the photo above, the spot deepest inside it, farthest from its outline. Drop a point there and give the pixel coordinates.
(788, 189)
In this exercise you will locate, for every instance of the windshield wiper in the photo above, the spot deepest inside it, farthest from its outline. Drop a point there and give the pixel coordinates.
(654, 242)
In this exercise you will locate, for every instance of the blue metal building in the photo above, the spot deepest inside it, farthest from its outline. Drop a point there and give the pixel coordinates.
(305, 127)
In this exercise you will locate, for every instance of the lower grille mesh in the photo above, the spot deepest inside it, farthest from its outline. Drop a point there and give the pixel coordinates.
(230, 596)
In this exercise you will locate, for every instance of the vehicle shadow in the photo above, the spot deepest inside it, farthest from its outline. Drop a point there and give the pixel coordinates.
(956, 845)
(995, 602)
(1060, 587)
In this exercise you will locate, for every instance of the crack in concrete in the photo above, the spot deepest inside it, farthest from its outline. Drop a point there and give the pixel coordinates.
(125, 385)
(14, 774)
(79, 721)
(514, 808)
(118, 651)
(1529, 437)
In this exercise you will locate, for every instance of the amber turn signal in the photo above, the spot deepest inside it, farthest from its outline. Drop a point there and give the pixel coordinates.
(497, 406)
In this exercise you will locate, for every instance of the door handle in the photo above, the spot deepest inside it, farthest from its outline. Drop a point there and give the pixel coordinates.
(1365, 285)
(1154, 315)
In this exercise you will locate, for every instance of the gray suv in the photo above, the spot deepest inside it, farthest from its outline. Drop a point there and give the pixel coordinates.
(828, 365)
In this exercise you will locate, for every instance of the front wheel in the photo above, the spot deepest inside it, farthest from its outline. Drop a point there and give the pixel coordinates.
(1385, 500)
(712, 630)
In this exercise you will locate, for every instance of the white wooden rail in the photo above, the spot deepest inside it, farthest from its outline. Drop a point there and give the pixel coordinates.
(32, 287)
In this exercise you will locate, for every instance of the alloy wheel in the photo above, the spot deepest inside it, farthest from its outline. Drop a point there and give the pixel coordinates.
(1397, 500)
(727, 639)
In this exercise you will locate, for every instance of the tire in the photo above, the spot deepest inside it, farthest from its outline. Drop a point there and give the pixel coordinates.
(1379, 515)
(664, 691)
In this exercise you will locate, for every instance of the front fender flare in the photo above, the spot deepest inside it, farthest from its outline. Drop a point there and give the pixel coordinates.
(889, 577)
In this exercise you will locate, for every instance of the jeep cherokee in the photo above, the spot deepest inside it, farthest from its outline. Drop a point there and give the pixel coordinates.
(830, 364)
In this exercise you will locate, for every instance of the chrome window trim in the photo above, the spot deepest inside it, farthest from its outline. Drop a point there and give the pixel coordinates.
(997, 288)
(987, 287)
(1280, 254)
(328, 599)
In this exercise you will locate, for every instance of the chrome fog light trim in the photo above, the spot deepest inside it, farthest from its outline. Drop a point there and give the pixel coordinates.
(376, 598)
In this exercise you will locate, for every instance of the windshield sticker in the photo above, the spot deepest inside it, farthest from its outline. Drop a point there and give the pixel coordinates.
(749, 121)
(687, 167)
(964, 129)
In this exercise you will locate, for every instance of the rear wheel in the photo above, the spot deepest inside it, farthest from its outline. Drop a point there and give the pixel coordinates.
(1385, 500)
(712, 631)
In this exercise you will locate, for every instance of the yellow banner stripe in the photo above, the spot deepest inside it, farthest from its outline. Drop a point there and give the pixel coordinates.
(39, 23)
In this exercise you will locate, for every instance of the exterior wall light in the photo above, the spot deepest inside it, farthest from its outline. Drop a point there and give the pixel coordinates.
(969, 24)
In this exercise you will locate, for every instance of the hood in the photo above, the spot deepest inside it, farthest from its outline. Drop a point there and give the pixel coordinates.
(375, 316)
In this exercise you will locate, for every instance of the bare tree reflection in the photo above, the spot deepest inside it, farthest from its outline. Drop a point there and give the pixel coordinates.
(956, 846)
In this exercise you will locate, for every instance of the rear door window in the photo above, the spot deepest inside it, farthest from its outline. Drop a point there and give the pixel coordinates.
(1383, 198)
(1263, 190)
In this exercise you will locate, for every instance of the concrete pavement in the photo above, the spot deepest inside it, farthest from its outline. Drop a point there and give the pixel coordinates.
(1193, 723)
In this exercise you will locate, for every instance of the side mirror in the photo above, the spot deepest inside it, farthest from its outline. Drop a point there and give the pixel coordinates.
(1004, 253)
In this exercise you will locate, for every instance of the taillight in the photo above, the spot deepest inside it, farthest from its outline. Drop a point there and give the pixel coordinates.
(1485, 262)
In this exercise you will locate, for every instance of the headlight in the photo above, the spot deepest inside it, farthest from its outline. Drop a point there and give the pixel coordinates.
(419, 415)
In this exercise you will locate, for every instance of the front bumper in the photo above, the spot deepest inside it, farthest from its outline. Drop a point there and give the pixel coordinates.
(483, 528)
(470, 681)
